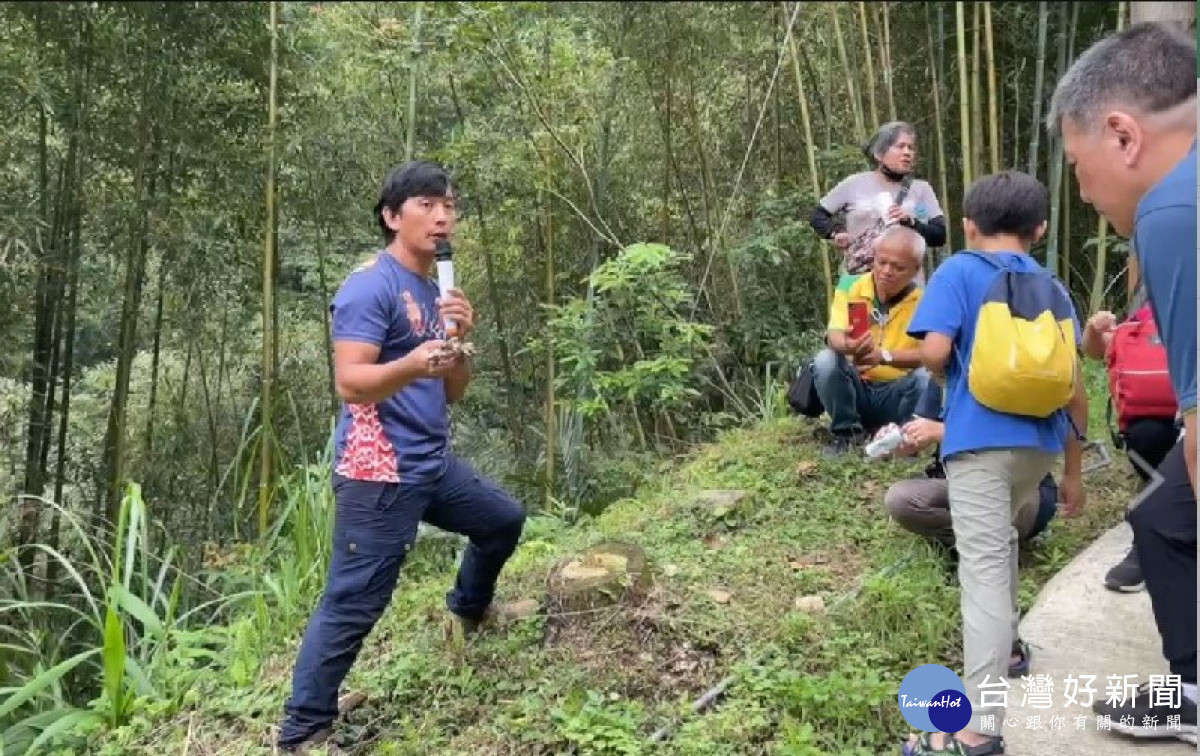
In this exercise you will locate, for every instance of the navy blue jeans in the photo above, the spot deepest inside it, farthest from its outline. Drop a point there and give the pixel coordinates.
(375, 525)
(855, 405)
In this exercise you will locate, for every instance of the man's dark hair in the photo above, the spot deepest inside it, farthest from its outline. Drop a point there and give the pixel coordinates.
(1011, 202)
(416, 178)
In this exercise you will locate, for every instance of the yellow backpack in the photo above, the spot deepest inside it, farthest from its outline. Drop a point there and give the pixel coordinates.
(1024, 352)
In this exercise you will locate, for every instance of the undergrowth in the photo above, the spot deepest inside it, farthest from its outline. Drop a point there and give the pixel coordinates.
(724, 603)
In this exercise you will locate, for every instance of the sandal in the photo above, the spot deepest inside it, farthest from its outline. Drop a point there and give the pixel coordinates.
(952, 746)
(1021, 648)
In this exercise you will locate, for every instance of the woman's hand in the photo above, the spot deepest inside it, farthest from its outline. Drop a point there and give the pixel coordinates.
(899, 215)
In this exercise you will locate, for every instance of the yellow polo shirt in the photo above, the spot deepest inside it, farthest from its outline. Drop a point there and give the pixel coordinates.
(892, 334)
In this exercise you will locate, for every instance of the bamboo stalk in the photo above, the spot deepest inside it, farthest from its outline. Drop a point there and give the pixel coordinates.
(811, 154)
(1100, 273)
(935, 75)
(976, 91)
(866, 42)
(413, 72)
(1016, 139)
(993, 116)
(855, 104)
(1039, 78)
(266, 472)
(887, 51)
(1056, 168)
(964, 95)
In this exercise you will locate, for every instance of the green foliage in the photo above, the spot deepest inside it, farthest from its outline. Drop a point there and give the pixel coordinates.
(630, 344)
(120, 626)
(592, 724)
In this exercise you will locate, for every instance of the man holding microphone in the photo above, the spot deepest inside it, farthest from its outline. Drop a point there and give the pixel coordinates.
(396, 374)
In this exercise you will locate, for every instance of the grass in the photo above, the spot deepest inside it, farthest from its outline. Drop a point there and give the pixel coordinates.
(723, 603)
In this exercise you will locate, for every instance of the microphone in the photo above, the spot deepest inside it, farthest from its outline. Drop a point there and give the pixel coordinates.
(445, 273)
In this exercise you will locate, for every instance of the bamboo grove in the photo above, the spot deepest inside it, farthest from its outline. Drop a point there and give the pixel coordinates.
(186, 186)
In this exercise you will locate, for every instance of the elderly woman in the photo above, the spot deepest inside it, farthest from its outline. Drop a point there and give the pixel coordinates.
(873, 200)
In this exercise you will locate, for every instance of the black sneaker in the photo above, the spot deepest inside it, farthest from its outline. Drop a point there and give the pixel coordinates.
(1021, 649)
(1126, 575)
(1141, 716)
(844, 443)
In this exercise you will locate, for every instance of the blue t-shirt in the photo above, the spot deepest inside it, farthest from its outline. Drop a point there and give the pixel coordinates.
(405, 438)
(1164, 235)
(953, 298)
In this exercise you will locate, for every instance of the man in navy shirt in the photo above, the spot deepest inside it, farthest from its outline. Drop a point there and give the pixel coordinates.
(393, 467)
(1126, 110)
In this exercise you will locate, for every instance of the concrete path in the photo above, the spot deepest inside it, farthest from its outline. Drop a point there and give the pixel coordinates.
(1078, 627)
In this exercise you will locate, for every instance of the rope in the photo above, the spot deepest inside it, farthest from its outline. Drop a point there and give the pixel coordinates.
(746, 159)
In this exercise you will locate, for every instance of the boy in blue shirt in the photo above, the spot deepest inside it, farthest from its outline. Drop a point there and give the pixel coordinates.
(994, 461)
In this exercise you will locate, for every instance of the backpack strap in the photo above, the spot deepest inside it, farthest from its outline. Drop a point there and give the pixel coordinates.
(905, 185)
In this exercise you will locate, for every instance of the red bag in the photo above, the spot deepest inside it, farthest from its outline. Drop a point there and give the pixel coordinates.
(1138, 381)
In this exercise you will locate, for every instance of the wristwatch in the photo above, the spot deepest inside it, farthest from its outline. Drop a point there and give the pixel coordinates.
(886, 355)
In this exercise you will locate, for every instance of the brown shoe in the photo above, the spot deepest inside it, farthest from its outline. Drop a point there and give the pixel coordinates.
(494, 614)
(317, 739)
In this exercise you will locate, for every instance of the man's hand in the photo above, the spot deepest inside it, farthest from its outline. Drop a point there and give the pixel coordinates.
(860, 347)
(1071, 494)
(841, 240)
(456, 307)
(423, 361)
(869, 361)
(1098, 333)
(1102, 322)
(922, 432)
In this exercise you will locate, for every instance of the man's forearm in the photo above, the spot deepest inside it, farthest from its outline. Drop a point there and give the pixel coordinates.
(457, 381)
(935, 353)
(836, 341)
(371, 384)
(1093, 344)
(906, 358)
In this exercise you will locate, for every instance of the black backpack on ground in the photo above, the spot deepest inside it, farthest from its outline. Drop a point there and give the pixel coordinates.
(802, 393)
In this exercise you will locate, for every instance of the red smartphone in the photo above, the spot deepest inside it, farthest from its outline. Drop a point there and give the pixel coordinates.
(860, 319)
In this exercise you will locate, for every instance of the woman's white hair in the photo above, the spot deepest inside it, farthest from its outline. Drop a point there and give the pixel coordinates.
(885, 137)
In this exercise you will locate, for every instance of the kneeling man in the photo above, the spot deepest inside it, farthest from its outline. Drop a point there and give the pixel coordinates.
(874, 379)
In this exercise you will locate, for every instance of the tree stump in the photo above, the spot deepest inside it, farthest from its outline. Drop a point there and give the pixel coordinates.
(606, 574)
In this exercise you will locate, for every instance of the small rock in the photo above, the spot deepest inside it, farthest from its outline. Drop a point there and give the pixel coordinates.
(805, 468)
(719, 596)
(522, 609)
(715, 542)
(811, 604)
